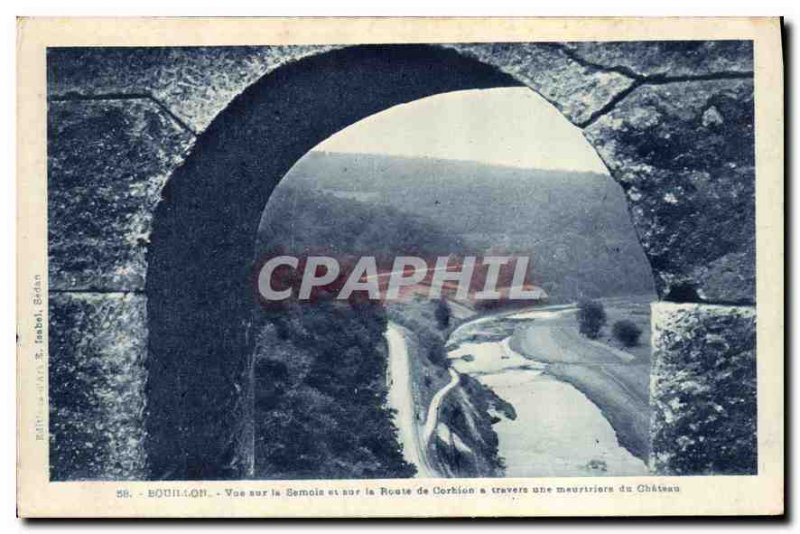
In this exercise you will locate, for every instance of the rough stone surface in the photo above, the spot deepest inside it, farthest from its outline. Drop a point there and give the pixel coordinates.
(684, 154)
(703, 389)
(107, 163)
(195, 83)
(577, 90)
(98, 344)
(669, 58)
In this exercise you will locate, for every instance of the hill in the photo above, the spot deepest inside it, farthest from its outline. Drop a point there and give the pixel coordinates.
(574, 225)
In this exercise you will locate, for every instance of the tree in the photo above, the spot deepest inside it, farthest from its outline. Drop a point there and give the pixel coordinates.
(591, 318)
(626, 332)
(442, 314)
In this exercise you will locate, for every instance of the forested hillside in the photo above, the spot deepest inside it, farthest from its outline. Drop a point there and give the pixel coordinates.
(320, 394)
(574, 225)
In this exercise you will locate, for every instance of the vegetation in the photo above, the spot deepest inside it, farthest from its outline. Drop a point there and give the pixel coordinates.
(591, 318)
(422, 318)
(320, 405)
(469, 410)
(626, 332)
(302, 220)
(459, 412)
(320, 394)
(575, 225)
(637, 310)
(320, 368)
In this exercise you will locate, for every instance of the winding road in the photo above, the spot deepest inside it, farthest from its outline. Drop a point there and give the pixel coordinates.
(401, 399)
(433, 410)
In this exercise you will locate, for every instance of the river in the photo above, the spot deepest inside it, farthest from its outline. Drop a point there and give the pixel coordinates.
(558, 430)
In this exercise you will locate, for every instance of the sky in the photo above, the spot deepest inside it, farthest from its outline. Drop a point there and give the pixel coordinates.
(511, 126)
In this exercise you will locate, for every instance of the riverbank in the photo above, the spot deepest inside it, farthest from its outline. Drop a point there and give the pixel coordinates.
(559, 429)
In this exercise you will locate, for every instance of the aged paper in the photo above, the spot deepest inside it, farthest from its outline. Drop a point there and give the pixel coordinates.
(400, 267)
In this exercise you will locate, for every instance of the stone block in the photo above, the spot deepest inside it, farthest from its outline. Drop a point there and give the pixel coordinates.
(703, 390)
(684, 154)
(577, 90)
(107, 163)
(98, 344)
(195, 83)
(669, 58)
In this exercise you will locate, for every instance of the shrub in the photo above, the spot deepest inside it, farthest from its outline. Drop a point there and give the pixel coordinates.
(442, 314)
(591, 318)
(437, 356)
(626, 332)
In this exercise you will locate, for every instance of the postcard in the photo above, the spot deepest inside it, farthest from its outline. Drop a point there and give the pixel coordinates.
(387, 267)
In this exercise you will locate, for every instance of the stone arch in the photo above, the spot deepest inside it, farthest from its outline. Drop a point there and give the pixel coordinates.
(196, 283)
(207, 220)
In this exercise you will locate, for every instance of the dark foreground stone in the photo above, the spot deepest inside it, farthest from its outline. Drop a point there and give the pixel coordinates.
(703, 390)
(98, 343)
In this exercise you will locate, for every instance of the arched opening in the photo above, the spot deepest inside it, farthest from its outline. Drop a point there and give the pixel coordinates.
(199, 283)
(474, 173)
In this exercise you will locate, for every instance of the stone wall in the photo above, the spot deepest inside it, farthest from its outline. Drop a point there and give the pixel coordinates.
(673, 122)
(108, 160)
